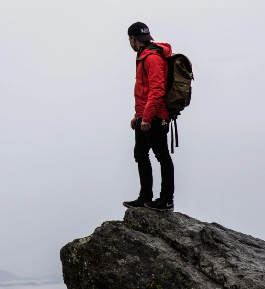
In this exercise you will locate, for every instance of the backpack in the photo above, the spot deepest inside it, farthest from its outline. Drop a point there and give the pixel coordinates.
(178, 91)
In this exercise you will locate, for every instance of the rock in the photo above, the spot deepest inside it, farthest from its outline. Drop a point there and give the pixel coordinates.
(163, 250)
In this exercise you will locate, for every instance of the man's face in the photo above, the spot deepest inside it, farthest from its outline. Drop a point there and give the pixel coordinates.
(132, 41)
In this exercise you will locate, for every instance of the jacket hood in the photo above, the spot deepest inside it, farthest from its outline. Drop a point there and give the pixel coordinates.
(162, 49)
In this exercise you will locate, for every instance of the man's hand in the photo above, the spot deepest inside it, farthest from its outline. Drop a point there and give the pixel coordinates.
(133, 123)
(145, 126)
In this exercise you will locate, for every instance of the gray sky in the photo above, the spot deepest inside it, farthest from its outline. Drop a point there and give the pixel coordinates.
(66, 81)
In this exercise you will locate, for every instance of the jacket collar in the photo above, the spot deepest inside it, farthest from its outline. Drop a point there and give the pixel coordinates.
(144, 51)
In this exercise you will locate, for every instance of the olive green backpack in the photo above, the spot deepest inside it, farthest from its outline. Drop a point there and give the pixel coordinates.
(178, 94)
(178, 91)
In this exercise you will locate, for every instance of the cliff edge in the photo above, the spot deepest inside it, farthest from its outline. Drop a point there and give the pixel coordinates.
(163, 250)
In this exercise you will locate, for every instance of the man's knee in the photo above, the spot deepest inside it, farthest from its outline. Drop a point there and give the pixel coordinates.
(141, 157)
(163, 157)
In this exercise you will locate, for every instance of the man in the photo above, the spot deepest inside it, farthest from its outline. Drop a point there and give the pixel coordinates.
(151, 118)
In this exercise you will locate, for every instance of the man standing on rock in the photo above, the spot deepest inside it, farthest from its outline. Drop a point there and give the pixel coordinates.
(151, 118)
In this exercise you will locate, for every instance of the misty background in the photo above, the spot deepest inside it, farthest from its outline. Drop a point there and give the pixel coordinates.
(67, 75)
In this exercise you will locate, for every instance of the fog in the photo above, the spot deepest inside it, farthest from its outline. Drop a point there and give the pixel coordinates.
(67, 76)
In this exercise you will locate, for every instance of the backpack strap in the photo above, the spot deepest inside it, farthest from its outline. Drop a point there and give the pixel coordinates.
(172, 136)
(172, 139)
(174, 117)
(176, 133)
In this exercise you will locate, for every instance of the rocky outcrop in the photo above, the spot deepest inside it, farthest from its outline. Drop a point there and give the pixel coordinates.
(163, 250)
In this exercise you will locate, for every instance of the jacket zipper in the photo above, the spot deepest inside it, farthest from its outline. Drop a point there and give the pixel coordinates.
(143, 82)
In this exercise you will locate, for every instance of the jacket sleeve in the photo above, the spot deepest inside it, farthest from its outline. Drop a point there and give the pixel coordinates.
(155, 69)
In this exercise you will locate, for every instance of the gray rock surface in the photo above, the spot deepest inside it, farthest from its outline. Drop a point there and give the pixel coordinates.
(163, 250)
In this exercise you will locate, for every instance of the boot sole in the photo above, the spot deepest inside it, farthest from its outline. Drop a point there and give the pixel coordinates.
(128, 206)
(161, 210)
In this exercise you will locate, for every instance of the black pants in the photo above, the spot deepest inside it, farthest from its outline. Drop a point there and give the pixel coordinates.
(155, 138)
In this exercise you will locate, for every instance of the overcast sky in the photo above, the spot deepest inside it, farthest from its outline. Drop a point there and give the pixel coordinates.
(67, 74)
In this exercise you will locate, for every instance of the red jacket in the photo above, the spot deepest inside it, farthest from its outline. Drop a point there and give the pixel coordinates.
(150, 86)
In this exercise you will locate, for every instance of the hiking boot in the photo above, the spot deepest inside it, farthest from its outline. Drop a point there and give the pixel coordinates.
(160, 205)
(135, 204)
